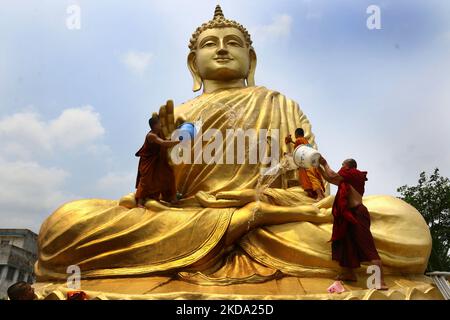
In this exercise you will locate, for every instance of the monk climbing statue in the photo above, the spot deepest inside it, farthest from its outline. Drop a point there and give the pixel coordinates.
(155, 176)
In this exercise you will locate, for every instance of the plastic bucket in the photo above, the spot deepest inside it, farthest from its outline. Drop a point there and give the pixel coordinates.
(188, 128)
(306, 157)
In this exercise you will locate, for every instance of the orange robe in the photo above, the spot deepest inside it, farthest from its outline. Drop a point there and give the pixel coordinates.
(310, 179)
(155, 175)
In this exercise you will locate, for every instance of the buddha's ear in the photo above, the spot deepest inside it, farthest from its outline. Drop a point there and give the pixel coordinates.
(194, 72)
(252, 69)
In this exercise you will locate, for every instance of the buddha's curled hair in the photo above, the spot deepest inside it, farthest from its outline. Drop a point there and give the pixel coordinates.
(219, 21)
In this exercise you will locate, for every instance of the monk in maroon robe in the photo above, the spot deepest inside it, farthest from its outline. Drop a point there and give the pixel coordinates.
(352, 241)
(155, 177)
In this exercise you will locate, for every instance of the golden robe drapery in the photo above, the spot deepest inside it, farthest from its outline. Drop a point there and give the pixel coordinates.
(106, 239)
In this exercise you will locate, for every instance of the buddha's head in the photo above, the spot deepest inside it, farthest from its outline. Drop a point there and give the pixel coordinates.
(221, 49)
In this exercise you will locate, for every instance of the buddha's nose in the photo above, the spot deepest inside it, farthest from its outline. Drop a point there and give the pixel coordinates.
(222, 50)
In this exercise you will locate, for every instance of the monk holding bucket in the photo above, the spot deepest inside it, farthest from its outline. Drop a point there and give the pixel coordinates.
(352, 241)
(310, 179)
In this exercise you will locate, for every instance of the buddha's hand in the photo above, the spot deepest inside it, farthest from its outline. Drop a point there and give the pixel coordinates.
(167, 118)
(246, 195)
(210, 201)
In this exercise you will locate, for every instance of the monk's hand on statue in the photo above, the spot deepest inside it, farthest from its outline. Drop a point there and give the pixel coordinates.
(167, 118)
(288, 139)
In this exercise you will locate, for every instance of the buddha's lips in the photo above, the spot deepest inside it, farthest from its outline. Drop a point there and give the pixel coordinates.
(223, 59)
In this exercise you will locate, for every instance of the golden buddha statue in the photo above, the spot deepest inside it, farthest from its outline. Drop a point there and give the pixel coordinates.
(220, 234)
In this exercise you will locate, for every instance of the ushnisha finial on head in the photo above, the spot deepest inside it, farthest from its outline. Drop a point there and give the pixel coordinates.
(218, 13)
(219, 21)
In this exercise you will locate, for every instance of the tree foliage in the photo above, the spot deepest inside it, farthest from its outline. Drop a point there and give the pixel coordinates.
(431, 197)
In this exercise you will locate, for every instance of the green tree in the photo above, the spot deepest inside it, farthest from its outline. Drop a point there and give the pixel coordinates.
(431, 197)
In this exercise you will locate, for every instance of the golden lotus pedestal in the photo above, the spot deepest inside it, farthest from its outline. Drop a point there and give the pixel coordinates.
(407, 287)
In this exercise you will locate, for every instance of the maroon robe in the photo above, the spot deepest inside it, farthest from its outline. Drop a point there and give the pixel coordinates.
(155, 176)
(352, 241)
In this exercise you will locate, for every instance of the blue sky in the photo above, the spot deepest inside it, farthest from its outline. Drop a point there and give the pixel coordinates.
(74, 103)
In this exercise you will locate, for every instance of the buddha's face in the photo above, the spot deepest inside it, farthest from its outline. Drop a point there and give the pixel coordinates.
(222, 54)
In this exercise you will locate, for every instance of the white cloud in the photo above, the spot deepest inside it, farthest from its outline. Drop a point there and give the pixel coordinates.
(280, 27)
(24, 135)
(116, 184)
(29, 192)
(137, 61)
(20, 133)
(76, 126)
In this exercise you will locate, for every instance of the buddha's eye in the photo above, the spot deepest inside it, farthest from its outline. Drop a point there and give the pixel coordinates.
(234, 43)
(208, 44)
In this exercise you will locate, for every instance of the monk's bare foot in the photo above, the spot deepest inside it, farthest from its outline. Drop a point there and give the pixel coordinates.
(346, 277)
(320, 195)
(140, 203)
(383, 286)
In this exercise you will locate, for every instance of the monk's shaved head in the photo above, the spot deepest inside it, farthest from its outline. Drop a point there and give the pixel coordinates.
(21, 291)
(299, 132)
(351, 163)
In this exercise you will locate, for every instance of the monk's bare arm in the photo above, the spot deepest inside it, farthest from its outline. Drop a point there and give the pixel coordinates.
(328, 173)
(327, 177)
(289, 140)
(165, 143)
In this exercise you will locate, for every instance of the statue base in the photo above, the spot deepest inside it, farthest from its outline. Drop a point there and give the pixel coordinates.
(405, 287)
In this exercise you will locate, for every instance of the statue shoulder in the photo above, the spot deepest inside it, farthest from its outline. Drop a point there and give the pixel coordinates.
(276, 95)
(276, 98)
(182, 109)
(283, 100)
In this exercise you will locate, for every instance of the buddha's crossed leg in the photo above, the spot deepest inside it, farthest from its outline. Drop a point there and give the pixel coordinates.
(259, 214)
